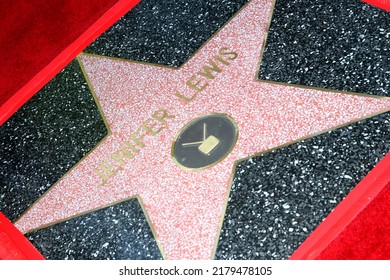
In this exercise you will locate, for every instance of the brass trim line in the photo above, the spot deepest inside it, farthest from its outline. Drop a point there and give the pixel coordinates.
(298, 85)
(141, 203)
(109, 133)
(271, 150)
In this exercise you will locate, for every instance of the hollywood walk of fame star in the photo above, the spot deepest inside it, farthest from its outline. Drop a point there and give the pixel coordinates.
(146, 107)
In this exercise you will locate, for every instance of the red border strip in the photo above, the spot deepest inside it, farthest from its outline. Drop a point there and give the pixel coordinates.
(383, 4)
(13, 244)
(345, 212)
(61, 60)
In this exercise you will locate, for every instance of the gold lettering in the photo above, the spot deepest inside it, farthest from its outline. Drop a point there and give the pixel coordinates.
(131, 146)
(161, 115)
(151, 127)
(231, 55)
(120, 156)
(208, 70)
(108, 168)
(196, 85)
(220, 59)
(101, 175)
(148, 126)
(137, 138)
(185, 99)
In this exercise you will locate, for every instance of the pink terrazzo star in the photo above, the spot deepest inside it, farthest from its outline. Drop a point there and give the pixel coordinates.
(186, 207)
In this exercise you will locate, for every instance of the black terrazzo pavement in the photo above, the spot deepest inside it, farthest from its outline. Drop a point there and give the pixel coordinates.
(45, 138)
(278, 198)
(117, 232)
(343, 45)
(164, 32)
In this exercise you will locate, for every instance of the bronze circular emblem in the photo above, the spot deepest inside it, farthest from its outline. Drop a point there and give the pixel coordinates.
(205, 141)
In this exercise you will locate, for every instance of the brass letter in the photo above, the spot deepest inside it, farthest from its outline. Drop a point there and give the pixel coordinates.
(164, 115)
(131, 146)
(231, 55)
(220, 59)
(101, 175)
(137, 140)
(149, 129)
(185, 99)
(108, 169)
(208, 70)
(120, 156)
(196, 85)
